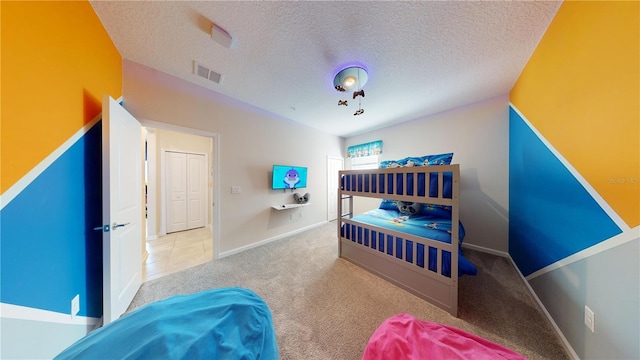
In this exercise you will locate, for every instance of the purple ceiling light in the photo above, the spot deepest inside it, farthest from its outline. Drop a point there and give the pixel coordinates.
(351, 79)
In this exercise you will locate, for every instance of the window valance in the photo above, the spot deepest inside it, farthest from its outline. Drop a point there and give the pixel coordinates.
(367, 149)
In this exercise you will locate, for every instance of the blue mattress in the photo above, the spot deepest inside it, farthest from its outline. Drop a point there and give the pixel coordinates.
(420, 225)
(229, 323)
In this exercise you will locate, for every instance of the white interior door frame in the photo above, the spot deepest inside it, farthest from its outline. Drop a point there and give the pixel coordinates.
(333, 162)
(214, 162)
(152, 184)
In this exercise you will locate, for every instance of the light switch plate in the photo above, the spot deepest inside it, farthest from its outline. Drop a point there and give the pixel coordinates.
(589, 318)
(75, 306)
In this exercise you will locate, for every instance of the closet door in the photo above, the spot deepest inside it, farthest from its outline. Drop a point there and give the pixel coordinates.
(176, 178)
(196, 191)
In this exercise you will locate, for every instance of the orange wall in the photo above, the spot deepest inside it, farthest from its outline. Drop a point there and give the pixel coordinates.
(57, 62)
(581, 90)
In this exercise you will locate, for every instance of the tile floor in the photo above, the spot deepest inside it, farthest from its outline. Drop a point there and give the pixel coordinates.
(177, 251)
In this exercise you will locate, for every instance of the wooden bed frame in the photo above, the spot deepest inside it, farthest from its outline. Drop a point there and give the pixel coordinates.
(356, 247)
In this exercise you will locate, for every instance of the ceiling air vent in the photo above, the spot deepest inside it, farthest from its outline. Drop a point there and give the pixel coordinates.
(206, 73)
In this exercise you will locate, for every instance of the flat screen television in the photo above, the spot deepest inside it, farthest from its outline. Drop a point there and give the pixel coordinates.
(289, 177)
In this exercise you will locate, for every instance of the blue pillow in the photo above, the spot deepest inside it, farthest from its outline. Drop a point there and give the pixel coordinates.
(426, 160)
(436, 211)
(430, 210)
(387, 204)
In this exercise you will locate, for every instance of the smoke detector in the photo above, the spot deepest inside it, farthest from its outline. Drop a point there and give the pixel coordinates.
(221, 36)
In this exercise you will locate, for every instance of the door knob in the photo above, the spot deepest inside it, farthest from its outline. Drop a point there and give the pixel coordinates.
(116, 225)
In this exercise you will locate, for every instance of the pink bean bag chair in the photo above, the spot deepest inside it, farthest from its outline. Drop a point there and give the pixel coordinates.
(403, 337)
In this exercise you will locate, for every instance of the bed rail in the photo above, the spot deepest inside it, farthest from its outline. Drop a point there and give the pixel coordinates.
(401, 258)
(424, 184)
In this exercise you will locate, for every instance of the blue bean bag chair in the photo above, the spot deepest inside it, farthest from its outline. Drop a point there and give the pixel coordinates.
(229, 323)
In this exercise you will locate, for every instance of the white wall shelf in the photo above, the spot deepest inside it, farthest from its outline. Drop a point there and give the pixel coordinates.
(289, 206)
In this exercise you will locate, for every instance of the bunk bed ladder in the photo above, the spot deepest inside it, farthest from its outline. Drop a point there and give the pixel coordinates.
(349, 213)
(343, 214)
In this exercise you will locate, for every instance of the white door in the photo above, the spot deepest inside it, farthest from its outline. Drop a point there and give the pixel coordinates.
(196, 191)
(186, 181)
(334, 165)
(122, 208)
(176, 177)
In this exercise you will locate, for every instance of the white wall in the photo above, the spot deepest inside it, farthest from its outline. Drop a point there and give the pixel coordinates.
(478, 135)
(251, 141)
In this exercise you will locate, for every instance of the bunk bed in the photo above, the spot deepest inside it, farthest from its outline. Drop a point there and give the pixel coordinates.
(411, 240)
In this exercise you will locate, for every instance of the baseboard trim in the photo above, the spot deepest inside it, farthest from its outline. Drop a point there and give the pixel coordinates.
(565, 343)
(567, 346)
(12, 311)
(269, 240)
(485, 250)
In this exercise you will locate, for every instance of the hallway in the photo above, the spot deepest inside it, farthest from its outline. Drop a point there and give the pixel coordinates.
(177, 251)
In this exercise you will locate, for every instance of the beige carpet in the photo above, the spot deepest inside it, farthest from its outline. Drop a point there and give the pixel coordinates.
(327, 308)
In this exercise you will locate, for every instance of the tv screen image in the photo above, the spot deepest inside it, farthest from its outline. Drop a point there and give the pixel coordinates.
(289, 177)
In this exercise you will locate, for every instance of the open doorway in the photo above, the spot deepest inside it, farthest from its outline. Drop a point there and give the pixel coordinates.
(171, 251)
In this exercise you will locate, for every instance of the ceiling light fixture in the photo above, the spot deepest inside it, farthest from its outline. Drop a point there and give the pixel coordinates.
(351, 79)
(221, 36)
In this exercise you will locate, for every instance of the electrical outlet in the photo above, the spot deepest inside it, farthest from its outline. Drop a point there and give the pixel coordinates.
(589, 319)
(235, 189)
(75, 306)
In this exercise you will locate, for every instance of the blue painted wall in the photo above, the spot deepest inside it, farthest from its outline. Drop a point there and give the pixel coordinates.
(574, 126)
(551, 215)
(50, 251)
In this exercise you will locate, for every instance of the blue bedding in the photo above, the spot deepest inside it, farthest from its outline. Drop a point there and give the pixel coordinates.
(420, 225)
(229, 323)
(428, 226)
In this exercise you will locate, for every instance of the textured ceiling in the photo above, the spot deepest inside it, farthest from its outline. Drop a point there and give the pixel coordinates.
(422, 57)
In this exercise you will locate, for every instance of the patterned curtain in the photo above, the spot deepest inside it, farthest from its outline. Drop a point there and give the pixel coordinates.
(368, 149)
